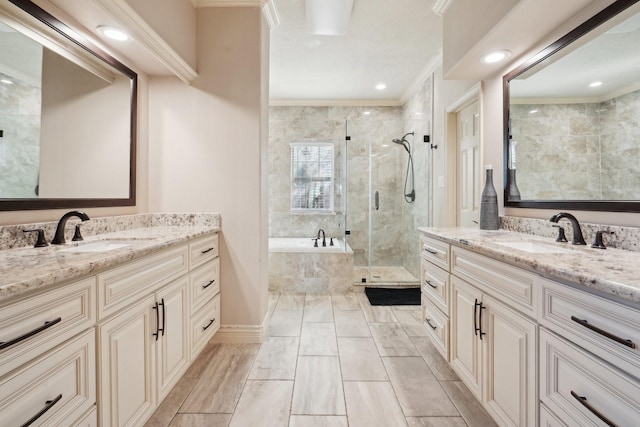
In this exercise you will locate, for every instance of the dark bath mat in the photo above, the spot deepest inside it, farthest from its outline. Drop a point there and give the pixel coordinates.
(397, 296)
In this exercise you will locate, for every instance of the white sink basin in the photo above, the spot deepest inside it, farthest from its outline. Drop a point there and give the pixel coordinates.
(535, 247)
(99, 246)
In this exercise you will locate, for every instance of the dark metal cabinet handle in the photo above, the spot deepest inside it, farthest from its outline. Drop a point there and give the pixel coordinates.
(428, 282)
(29, 334)
(482, 307)
(157, 332)
(204, 328)
(475, 317)
(164, 317)
(429, 323)
(602, 332)
(208, 284)
(431, 251)
(207, 250)
(48, 405)
(584, 402)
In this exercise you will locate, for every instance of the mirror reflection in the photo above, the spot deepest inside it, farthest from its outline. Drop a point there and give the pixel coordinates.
(574, 119)
(66, 133)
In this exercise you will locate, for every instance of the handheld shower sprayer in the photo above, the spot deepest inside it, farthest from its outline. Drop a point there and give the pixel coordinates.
(409, 196)
(403, 141)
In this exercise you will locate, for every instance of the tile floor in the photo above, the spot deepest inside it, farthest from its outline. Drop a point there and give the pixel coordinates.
(327, 360)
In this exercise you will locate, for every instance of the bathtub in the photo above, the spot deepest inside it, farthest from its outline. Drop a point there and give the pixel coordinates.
(305, 244)
(296, 266)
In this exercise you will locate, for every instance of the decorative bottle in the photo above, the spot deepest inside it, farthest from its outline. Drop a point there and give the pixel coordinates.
(489, 203)
(514, 192)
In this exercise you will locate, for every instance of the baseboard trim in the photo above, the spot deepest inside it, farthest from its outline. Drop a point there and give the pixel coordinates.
(239, 334)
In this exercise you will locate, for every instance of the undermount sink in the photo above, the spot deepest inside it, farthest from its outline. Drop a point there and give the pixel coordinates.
(535, 247)
(99, 246)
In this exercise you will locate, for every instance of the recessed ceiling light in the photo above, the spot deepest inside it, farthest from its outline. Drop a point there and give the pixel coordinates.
(595, 84)
(381, 86)
(496, 56)
(6, 81)
(366, 113)
(113, 33)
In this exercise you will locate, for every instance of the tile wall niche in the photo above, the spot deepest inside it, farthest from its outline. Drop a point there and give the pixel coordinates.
(20, 105)
(591, 149)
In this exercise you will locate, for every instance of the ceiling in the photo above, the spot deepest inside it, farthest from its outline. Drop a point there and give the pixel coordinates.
(389, 42)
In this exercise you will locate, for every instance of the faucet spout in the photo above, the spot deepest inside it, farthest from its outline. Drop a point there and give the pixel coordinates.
(577, 238)
(324, 239)
(58, 239)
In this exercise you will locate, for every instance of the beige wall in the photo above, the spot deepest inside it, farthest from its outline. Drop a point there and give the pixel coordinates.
(207, 150)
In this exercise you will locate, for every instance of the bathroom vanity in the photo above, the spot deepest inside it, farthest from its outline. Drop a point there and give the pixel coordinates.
(98, 332)
(542, 333)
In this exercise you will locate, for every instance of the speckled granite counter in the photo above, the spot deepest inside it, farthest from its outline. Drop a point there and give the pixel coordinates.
(26, 269)
(610, 272)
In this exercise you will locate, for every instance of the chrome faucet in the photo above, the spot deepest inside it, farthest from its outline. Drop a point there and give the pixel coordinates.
(324, 239)
(577, 238)
(59, 237)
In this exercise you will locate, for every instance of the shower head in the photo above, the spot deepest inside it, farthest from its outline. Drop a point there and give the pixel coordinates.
(403, 142)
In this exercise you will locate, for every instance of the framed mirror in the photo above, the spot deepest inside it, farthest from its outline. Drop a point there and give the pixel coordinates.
(572, 119)
(67, 116)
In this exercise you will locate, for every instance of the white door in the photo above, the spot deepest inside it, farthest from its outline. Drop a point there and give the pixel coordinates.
(468, 141)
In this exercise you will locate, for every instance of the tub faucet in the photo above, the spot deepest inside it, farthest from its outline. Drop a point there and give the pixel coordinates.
(59, 237)
(577, 238)
(324, 239)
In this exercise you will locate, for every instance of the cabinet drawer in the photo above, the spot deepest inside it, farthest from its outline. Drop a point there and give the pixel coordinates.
(123, 285)
(437, 325)
(435, 285)
(605, 328)
(89, 420)
(203, 250)
(204, 324)
(44, 321)
(63, 381)
(435, 251)
(204, 283)
(549, 419)
(510, 284)
(575, 385)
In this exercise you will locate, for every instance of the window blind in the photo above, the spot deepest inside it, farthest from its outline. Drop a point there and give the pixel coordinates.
(312, 176)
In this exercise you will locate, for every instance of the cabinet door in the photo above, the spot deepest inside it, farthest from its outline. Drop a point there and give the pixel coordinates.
(509, 355)
(172, 344)
(127, 366)
(465, 343)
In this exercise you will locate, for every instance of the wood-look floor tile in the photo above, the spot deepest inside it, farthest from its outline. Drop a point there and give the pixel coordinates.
(318, 339)
(263, 403)
(318, 387)
(218, 389)
(372, 404)
(290, 302)
(276, 359)
(317, 421)
(392, 340)
(201, 420)
(411, 322)
(318, 308)
(376, 314)
(351, 324)
(469, 407)
(285, 323)
(360, 361)
(436, 422)
(169, 407)
(438, 365)
(418, 391)
(345, 302)
(202, 361)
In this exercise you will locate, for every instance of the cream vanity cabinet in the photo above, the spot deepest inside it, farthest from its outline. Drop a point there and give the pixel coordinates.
(492, 329)
(146, 339)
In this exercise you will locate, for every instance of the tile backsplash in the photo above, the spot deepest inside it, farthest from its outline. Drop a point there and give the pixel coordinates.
(627, 238)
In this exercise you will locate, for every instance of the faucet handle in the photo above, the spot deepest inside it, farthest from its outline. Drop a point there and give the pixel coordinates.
(315, 243)
(76, 235)
(598, 243)
(40, 242)
(561, 235)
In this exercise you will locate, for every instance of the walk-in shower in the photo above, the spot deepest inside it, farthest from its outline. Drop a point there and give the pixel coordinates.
(409, 195)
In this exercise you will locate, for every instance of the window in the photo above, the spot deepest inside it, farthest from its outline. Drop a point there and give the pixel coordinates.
(312, 177)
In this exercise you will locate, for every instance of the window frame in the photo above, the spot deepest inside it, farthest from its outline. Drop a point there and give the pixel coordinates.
(331, 179)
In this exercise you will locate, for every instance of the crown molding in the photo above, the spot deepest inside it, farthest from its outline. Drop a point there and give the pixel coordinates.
(422, 76)
(441, 6)
(125, 16)
(268, 7)
(335, 103)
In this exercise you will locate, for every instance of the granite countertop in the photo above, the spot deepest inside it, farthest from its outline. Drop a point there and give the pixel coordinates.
(610, 272)
(23, 270)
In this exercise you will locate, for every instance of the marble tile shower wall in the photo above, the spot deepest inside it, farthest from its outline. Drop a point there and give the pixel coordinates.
(20, 143)
(591, 148)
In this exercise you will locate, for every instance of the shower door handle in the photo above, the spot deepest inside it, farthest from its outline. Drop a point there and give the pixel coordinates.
(376, 198)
